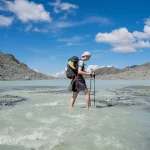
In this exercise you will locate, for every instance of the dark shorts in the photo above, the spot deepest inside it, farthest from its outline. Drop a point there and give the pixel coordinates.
(77, 86)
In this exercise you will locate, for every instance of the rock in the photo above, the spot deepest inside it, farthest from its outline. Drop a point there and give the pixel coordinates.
(7, 100)
(12, 69)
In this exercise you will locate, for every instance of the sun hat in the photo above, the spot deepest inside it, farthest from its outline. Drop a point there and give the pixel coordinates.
(86, 54)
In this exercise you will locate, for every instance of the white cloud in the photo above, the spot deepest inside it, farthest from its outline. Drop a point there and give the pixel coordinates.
(94, 19)
(123, 41)
(94, 67)
(147, 21)
(142, 44)
(74, 44)
(62, 6)
(147, 29)
(63, 24)
(5, 21)
(65, 16)
(72, 39)
(35, 70)
(40, 30)
(122, 48)
(28, 11)
(116, 36)
(140, 35)
(29, 27)
(69, 44)
(60, 74)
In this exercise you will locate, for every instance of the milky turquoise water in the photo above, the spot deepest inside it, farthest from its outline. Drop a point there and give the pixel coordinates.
(45, 122)
(64, 83)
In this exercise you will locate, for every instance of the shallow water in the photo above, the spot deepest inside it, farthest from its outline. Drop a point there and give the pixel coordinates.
(45, 122)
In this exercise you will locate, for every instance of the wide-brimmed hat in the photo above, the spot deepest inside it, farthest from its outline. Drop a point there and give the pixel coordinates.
(86, 54)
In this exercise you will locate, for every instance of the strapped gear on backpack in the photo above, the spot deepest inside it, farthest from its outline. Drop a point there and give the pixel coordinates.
(72, 67)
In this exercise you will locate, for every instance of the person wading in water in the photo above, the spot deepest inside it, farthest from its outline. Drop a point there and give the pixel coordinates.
(79, 83)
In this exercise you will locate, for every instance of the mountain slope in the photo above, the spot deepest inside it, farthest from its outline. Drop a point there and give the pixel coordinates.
(12, 69)
(135, 72)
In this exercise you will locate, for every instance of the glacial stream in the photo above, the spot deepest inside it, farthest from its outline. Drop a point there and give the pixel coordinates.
(42, 119)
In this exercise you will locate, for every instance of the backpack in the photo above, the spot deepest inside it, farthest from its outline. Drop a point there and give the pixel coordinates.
(72, 67)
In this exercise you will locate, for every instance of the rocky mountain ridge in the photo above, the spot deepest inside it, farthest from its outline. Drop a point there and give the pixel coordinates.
(12, 69)
(134, 72)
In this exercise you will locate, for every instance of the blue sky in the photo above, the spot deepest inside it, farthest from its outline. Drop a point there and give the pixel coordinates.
(45, 34)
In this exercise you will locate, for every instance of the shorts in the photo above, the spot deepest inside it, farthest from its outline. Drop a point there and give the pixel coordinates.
(77, 85)
(81, 86)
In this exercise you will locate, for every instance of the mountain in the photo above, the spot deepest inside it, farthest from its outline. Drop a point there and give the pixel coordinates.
(12, 69)
(107, 70)
(135, 72)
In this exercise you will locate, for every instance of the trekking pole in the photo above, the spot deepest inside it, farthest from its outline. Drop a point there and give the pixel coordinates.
(94, 89)
(90, 83)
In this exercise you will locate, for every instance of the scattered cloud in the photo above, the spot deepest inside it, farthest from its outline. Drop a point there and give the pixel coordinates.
(65, 16)
(62, 6)
(147, 29)
(72, 39)
(94, 67)
(94, 19)
(122, 48)
(5, 21)
(36, 29)
(74, 44)
(147, 21)
(140, 35)
(116, 36)
(60, 74)
(27, 11)
(142, 44)
(36, 70)
(28, 28)
(68, 24)
(98, 51)
(124, 41)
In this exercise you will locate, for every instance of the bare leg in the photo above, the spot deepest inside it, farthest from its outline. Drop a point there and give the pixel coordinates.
(75, 94)
(88, 100)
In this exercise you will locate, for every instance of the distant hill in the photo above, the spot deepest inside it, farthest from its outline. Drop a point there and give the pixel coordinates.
(12, 69)
(135, 72)
(107, 70)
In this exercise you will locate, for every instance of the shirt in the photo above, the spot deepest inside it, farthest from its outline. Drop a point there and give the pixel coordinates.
(81, 65)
